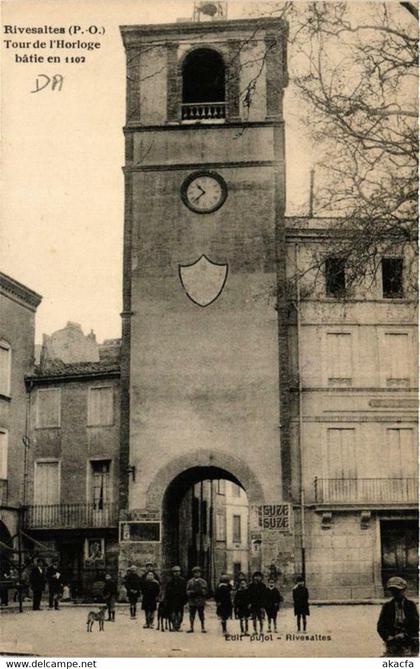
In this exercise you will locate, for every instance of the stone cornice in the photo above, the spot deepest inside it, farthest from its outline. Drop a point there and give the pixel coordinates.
(17, 291)
(132, 34)
(134, 127)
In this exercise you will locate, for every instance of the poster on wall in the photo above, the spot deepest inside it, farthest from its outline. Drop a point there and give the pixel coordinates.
(94, 552)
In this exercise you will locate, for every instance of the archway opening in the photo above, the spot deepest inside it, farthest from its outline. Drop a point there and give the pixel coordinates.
(203, 77)
(206, 523)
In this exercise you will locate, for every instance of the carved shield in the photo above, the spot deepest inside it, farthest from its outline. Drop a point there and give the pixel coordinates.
(204, 280)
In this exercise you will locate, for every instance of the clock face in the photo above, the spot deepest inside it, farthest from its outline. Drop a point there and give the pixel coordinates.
(204, 192)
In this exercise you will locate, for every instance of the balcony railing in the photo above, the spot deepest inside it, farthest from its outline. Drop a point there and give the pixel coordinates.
(199, 111)
(369, 491)
(70, 516)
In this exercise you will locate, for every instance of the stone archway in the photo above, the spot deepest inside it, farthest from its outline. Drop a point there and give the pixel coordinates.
(172, 482)
(238, 471)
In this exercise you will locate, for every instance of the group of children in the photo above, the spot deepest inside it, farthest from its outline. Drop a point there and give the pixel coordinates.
(256, 600)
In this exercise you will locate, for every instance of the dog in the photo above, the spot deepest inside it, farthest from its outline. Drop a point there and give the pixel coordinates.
(163, 617)
(96, 615)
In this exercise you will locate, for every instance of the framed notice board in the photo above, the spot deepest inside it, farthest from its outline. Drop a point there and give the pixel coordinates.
(140, 531)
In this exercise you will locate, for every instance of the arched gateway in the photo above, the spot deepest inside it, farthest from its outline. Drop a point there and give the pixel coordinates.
(165, 510)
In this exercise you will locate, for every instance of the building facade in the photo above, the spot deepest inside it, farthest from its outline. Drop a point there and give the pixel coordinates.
(356, 355)
(73, 463)
(18, 306)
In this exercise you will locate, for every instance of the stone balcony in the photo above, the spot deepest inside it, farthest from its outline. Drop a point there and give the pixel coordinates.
(371, 491)
(71, 516)
(203, 111)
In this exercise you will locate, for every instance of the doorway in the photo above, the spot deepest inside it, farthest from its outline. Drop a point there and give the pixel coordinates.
(71, 555)
(206, 523)
(399, 542)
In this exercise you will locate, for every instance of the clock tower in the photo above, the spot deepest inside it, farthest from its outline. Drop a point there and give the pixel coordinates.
(205, 354)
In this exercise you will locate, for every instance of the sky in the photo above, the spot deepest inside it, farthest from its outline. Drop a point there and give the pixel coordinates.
(61, 219)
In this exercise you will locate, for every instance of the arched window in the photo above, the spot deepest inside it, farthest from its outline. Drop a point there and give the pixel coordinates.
(203, 85)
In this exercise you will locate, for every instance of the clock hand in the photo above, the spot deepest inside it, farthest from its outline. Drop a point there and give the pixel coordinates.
(198, 186)
(196, 199)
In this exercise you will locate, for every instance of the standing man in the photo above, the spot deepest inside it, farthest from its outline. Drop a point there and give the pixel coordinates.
(398, 623)
(50, 575)
(176, 597)
(133, 584)
(37, 581)
(197, 591)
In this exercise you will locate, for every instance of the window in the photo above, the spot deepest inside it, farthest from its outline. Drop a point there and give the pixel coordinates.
(47, 482)
(100, 483)
(396, 359)
(392, 277)
(3, 454)
(203, 77)
(48, 408)
(401, 457)
(335, 277)
(5, 367)
(101, 406)
(339, 358)
(236, 529)
(203, 86)
(221, 486)
(220, 526)
(341, 455)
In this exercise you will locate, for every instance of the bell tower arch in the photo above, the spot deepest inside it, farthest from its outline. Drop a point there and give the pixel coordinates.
(205, 354)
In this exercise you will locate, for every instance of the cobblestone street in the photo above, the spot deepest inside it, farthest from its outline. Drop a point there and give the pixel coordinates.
(346, 631)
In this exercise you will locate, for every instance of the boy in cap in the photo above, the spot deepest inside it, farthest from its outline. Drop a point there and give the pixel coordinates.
(300, 602)
(242, 604)
(223, 600)
(176, 597)
(133, 585)
(110, 593)
(398, 623)
(273, 600)
(257, 596)
(197, 590)
(150, 591)
(149, 567)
